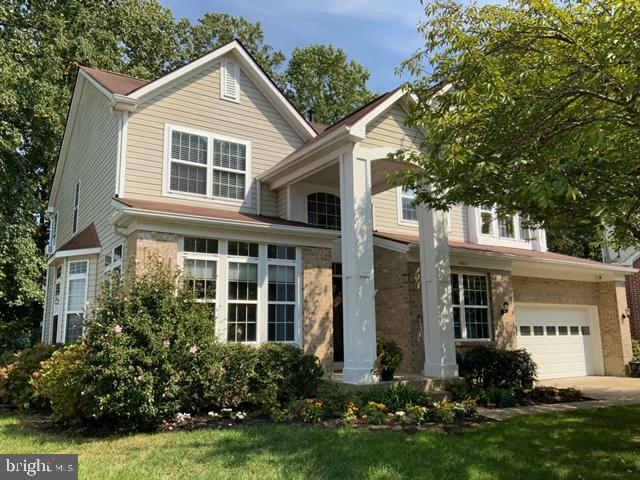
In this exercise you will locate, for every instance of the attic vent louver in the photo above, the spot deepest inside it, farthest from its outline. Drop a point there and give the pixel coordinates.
(230, 80)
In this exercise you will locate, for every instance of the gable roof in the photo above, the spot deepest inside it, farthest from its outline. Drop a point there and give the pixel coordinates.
(353, 124)
(132, 90)
(117, 83)
(87, 238)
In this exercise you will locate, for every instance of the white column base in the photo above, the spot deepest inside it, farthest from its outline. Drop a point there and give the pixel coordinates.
(358, 376)
(449, 370)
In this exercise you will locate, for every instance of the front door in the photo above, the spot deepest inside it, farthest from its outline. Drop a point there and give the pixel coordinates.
(338, 340)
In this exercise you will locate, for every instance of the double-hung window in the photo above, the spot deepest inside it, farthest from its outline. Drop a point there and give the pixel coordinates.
(77, 279)
(470, 301)
(407, 205)
(200, 269)
(242, 309)
(113, 261)
(207, 165)
(281, 261)
(494, 223)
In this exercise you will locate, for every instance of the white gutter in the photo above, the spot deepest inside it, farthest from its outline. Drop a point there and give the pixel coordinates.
(74, 253)
(295, 156)
(307, 231)
(548, 261)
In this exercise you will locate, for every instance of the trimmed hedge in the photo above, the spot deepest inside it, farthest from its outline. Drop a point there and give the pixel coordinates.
(490, 367)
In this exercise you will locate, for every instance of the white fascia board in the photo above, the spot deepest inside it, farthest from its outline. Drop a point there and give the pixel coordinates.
(392, 245)
(547, 261)
(80, 252)
(380, 109)
(126, 212)
(273, 172)
(251, 68)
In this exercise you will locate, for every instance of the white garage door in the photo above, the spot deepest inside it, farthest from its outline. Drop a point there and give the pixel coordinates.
(563, 341)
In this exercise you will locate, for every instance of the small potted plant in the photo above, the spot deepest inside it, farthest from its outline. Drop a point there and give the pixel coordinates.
(388, 360)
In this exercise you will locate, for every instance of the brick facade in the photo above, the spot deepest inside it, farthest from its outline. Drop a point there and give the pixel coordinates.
(397, 314)
(633, 300)
(609, 297)
(143, 246)
(317, 316)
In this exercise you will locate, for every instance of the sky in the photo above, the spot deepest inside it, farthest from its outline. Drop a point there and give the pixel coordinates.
(380, 34)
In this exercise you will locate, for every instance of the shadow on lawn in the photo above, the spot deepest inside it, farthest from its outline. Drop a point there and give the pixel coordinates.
(569, 446)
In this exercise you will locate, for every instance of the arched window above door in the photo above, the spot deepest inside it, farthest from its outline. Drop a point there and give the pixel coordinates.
(323, 210)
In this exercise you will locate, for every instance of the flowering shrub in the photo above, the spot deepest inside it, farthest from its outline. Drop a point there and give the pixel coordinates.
(351, 413)
(375, 413)
(415, 415)
(281, 415)
(16, 378)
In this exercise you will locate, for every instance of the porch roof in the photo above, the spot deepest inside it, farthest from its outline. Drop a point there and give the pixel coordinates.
(514, 253)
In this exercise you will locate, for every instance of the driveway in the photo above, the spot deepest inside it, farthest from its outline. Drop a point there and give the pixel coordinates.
(605, 392)
(619, 390)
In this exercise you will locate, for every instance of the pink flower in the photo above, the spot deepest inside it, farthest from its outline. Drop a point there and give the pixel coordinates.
(193, 349)
(118, 328)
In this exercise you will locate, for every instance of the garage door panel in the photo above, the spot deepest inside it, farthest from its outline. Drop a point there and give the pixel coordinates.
(559, 339)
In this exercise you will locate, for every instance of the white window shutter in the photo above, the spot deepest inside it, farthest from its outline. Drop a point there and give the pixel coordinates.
(230, 88)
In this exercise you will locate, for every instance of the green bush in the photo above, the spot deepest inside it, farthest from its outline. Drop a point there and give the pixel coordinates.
(150, 352)
(495, 396)
(485, 367)
(389, 357)
(335, 397)
(16, 376)
(395, 398)
(61, 381)
(636, 350)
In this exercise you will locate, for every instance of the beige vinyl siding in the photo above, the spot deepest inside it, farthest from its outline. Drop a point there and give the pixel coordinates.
(91, 159)
(195, 103)
(283, 204)
(390, 130)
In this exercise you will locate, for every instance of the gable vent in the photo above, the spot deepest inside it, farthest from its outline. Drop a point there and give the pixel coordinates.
(230, 80)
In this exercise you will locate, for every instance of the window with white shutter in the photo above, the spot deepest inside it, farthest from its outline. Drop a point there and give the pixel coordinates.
(207, 165)
(230, 80)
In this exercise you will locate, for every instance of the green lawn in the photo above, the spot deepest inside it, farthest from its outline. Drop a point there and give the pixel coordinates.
(598, 444)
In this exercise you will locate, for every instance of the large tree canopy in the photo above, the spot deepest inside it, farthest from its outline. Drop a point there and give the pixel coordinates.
(320, 78)
(532, 106)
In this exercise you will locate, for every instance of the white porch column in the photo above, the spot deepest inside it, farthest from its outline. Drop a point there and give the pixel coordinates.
(357, 269)
(437, 314)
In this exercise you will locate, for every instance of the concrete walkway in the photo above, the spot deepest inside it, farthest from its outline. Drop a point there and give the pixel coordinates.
(606, 392)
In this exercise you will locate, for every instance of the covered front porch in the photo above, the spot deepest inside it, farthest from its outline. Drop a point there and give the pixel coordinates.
(346, 163)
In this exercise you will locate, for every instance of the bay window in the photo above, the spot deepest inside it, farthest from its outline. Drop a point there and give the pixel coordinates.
(500, 225)
(254, 287)
(207, 165)
(470, 302)
(113, 261)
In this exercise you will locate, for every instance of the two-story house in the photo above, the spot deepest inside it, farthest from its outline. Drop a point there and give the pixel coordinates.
(292, 232)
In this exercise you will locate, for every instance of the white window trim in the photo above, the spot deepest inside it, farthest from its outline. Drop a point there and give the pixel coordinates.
(114, 264)
(414, 223)
(75, 218)
(296, 302)
(208, 197)
(222, 287)
(66, 311)
(538, 243)
(59, 309)
(401, 220)
(53, 234)
(236, 79)
(463, 325)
